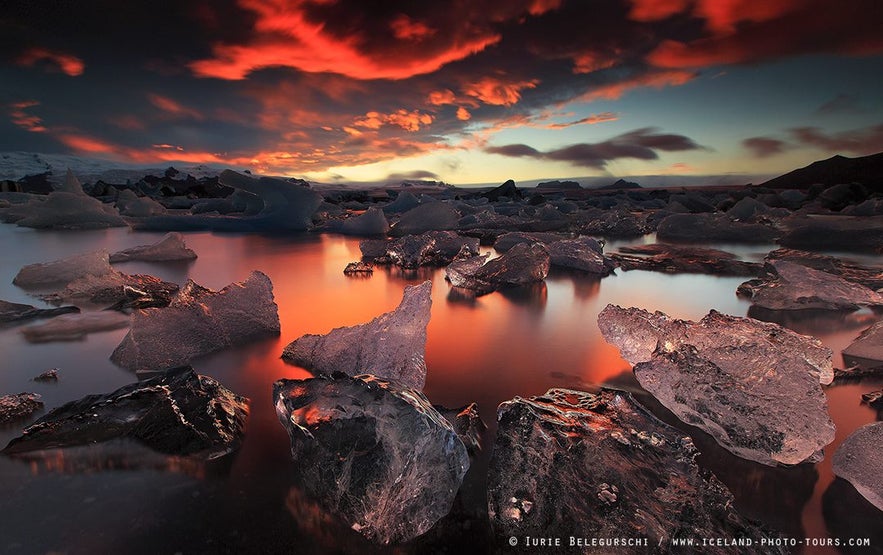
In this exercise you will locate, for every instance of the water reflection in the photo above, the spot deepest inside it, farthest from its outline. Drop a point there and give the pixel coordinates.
(485, 350)
(849, 515)
(814, 322)
(117, 455)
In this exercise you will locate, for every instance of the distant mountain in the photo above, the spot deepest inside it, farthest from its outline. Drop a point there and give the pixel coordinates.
(16, 165)
(867, 170)
(621, 184)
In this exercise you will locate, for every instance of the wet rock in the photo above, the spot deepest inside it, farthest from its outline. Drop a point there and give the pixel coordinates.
(676, 259)
(433, 248)
(725, 375)
(467, 423)
(712, 227)
(582, 254)
(874, 399)
(178, 413)
(15, 407)
(859, 460)
(355, 268)
(74, 327)
(199, 321)
(15, 312)
(598, 465)
(868, 276)
(430, 216)
(523, 264)
(391, 346)
(286, 206)
(170, 247)
(867, 349)
(841, 233)
(790, 286)
(50, 375)
(378, 457)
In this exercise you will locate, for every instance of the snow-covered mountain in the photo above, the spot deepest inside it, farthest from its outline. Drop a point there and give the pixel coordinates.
(15, 165)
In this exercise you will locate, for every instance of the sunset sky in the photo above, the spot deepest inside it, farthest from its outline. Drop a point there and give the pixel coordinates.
(466, 91)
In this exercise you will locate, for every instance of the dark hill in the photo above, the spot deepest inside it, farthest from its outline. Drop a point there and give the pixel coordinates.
(867, 170)
(621, 184)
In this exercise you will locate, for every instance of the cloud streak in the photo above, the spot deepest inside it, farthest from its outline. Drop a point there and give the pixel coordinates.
(641, 144)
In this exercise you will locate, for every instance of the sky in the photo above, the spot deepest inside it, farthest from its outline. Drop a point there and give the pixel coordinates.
(463, 91)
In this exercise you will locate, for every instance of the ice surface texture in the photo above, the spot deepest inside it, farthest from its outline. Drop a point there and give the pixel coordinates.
(753, 386)
(377, 455)
(523, 264)
(198, 322)
(178, 413)
(391, 346)
(598, 465)
(859, 460)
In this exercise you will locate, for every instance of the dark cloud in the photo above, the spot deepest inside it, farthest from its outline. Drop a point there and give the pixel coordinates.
(416, 174)
(640, 144)
(865, 140)
(764, 147)
(841, 104)
(307, 85)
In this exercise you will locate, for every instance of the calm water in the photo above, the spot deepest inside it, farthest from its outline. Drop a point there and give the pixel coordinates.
(490, 350)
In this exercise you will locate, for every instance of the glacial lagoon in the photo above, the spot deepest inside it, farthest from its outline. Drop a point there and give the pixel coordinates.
(518, 342)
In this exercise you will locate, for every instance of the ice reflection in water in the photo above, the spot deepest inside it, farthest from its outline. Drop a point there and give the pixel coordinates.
(487, 349)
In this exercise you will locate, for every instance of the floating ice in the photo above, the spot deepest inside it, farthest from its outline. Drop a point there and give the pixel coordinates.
(198, 322)
(178, 413)
(859, 460)
(170, 247)
(391, 346)
(600, 464)
(377, 456)
(523, 264)
(753, 386)
(72, 327)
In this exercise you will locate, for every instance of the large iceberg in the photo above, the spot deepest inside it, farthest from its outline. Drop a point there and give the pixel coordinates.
(430, 216)
(178, 413)
(391, 346)
(287, 206)
(199, 321)
(754, 387)
(377, 456)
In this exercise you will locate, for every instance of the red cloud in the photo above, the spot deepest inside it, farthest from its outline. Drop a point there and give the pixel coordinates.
(463, 114)
(405, 28)
(440, 98)
(589, 120)
(20, 117)
(173, 107)
(67, 63)
(653, 10)
(288, 38)
(660, 79)
(498, 92)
